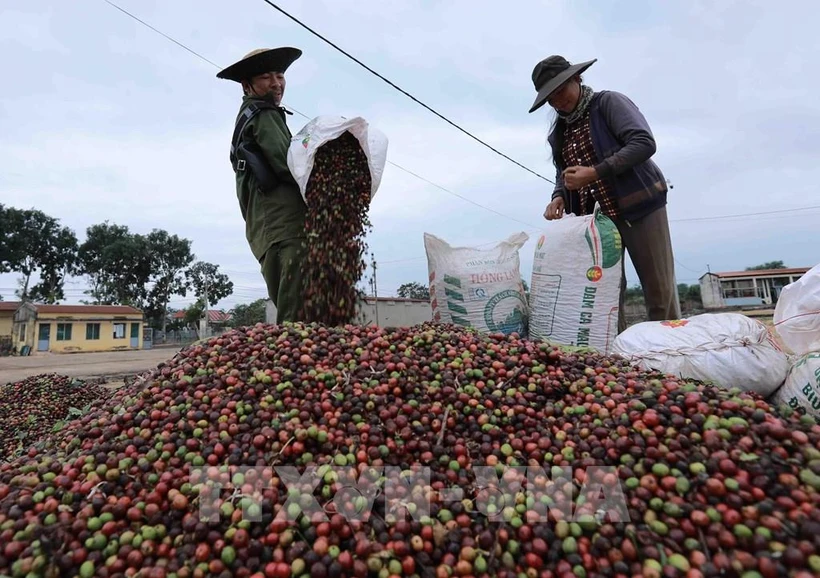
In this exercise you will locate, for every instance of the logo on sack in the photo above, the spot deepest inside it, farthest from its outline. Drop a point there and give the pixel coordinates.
(604, 243)
(514, 322)
(540, 243)
(595, 273)
(675, 323)
(305, 141)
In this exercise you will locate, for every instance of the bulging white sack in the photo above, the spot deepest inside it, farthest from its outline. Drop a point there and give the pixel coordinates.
(322, 129)
(576, 282)
(801, 392)
(728, 349)
(478, 288)
(797, 313)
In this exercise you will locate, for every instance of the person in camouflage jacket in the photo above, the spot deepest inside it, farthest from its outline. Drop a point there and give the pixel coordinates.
(272, 206)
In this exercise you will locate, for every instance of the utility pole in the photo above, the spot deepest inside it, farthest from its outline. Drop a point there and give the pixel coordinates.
(375, 290)
(205, 323)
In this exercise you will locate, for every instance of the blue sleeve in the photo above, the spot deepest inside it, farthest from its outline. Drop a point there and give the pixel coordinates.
(629, 126)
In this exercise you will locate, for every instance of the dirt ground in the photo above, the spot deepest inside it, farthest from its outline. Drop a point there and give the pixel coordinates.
(112, 364)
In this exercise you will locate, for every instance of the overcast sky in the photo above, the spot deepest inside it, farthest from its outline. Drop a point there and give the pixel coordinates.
(103, 119)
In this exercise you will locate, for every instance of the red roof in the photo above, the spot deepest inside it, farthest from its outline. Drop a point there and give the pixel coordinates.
(87, 309)
(764, 273)
(214, 316)
(73, 309)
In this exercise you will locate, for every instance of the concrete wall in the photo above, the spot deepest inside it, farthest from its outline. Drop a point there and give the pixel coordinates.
(6, 318)
(710, 292)
(388, 312)
(395, 313)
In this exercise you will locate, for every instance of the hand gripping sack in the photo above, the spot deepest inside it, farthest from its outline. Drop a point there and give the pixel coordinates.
(797, 313)
(478, 288)
(576, 282)
(728, 349)
(801, 392)
(322, 129)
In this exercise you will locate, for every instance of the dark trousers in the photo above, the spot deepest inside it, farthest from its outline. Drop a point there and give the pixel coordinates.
(650, 249)
(282, 270)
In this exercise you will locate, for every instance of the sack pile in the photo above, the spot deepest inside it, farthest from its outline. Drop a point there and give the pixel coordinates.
(797, 322)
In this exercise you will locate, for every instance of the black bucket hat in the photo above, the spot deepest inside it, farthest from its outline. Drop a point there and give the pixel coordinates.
(551, 73)
(259, 62)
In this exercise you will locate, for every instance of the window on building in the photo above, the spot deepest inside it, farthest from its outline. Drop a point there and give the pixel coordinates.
(64, 332)
(22, 336)
(92, 331)
(119, 331)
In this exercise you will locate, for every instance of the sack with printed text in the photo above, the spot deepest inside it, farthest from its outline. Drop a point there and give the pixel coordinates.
(476, 288)
(727, 349)
(322, 129)
(797, 313)
(801, 392)
(576, 282)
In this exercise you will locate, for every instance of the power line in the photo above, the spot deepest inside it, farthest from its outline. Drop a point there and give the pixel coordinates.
(718, 217)
(429, 182)
(463, 198)
(692, 219)
(408, 171)
(687, 268)
(124, 11)
(537, 230)
(407, 94)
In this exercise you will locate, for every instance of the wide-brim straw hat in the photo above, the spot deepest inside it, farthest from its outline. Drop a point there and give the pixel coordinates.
(551, 73)
(259, 62)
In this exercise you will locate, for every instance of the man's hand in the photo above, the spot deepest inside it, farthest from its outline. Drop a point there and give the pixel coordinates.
(555, 210)
(578, 177)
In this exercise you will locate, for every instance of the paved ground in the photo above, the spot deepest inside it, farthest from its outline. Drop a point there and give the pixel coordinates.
(83, 365)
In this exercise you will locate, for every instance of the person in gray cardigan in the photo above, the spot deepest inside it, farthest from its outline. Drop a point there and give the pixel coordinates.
(601, 148)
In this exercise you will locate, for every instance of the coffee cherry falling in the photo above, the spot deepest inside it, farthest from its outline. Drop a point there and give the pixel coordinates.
(338, 199)
(32, 408)
(715, 484)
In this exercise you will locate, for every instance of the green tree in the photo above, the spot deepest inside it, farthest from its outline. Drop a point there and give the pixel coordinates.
(767, 265)
(194, 313)
(33, 242)
(170, 256)
(683, 291)
(206, 278)
(118, 263)
(413, 291)
(634, 294)
(247, 315)
(5, 240)
(694, 294)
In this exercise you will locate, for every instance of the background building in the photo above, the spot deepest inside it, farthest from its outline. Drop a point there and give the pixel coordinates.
(72, 328)
(746, 288)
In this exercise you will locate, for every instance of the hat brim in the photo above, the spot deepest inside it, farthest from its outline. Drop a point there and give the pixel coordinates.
(273, 60)
(555, 83)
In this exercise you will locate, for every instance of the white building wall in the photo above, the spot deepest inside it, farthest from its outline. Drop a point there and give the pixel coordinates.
(384, 313)
(710, 292)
